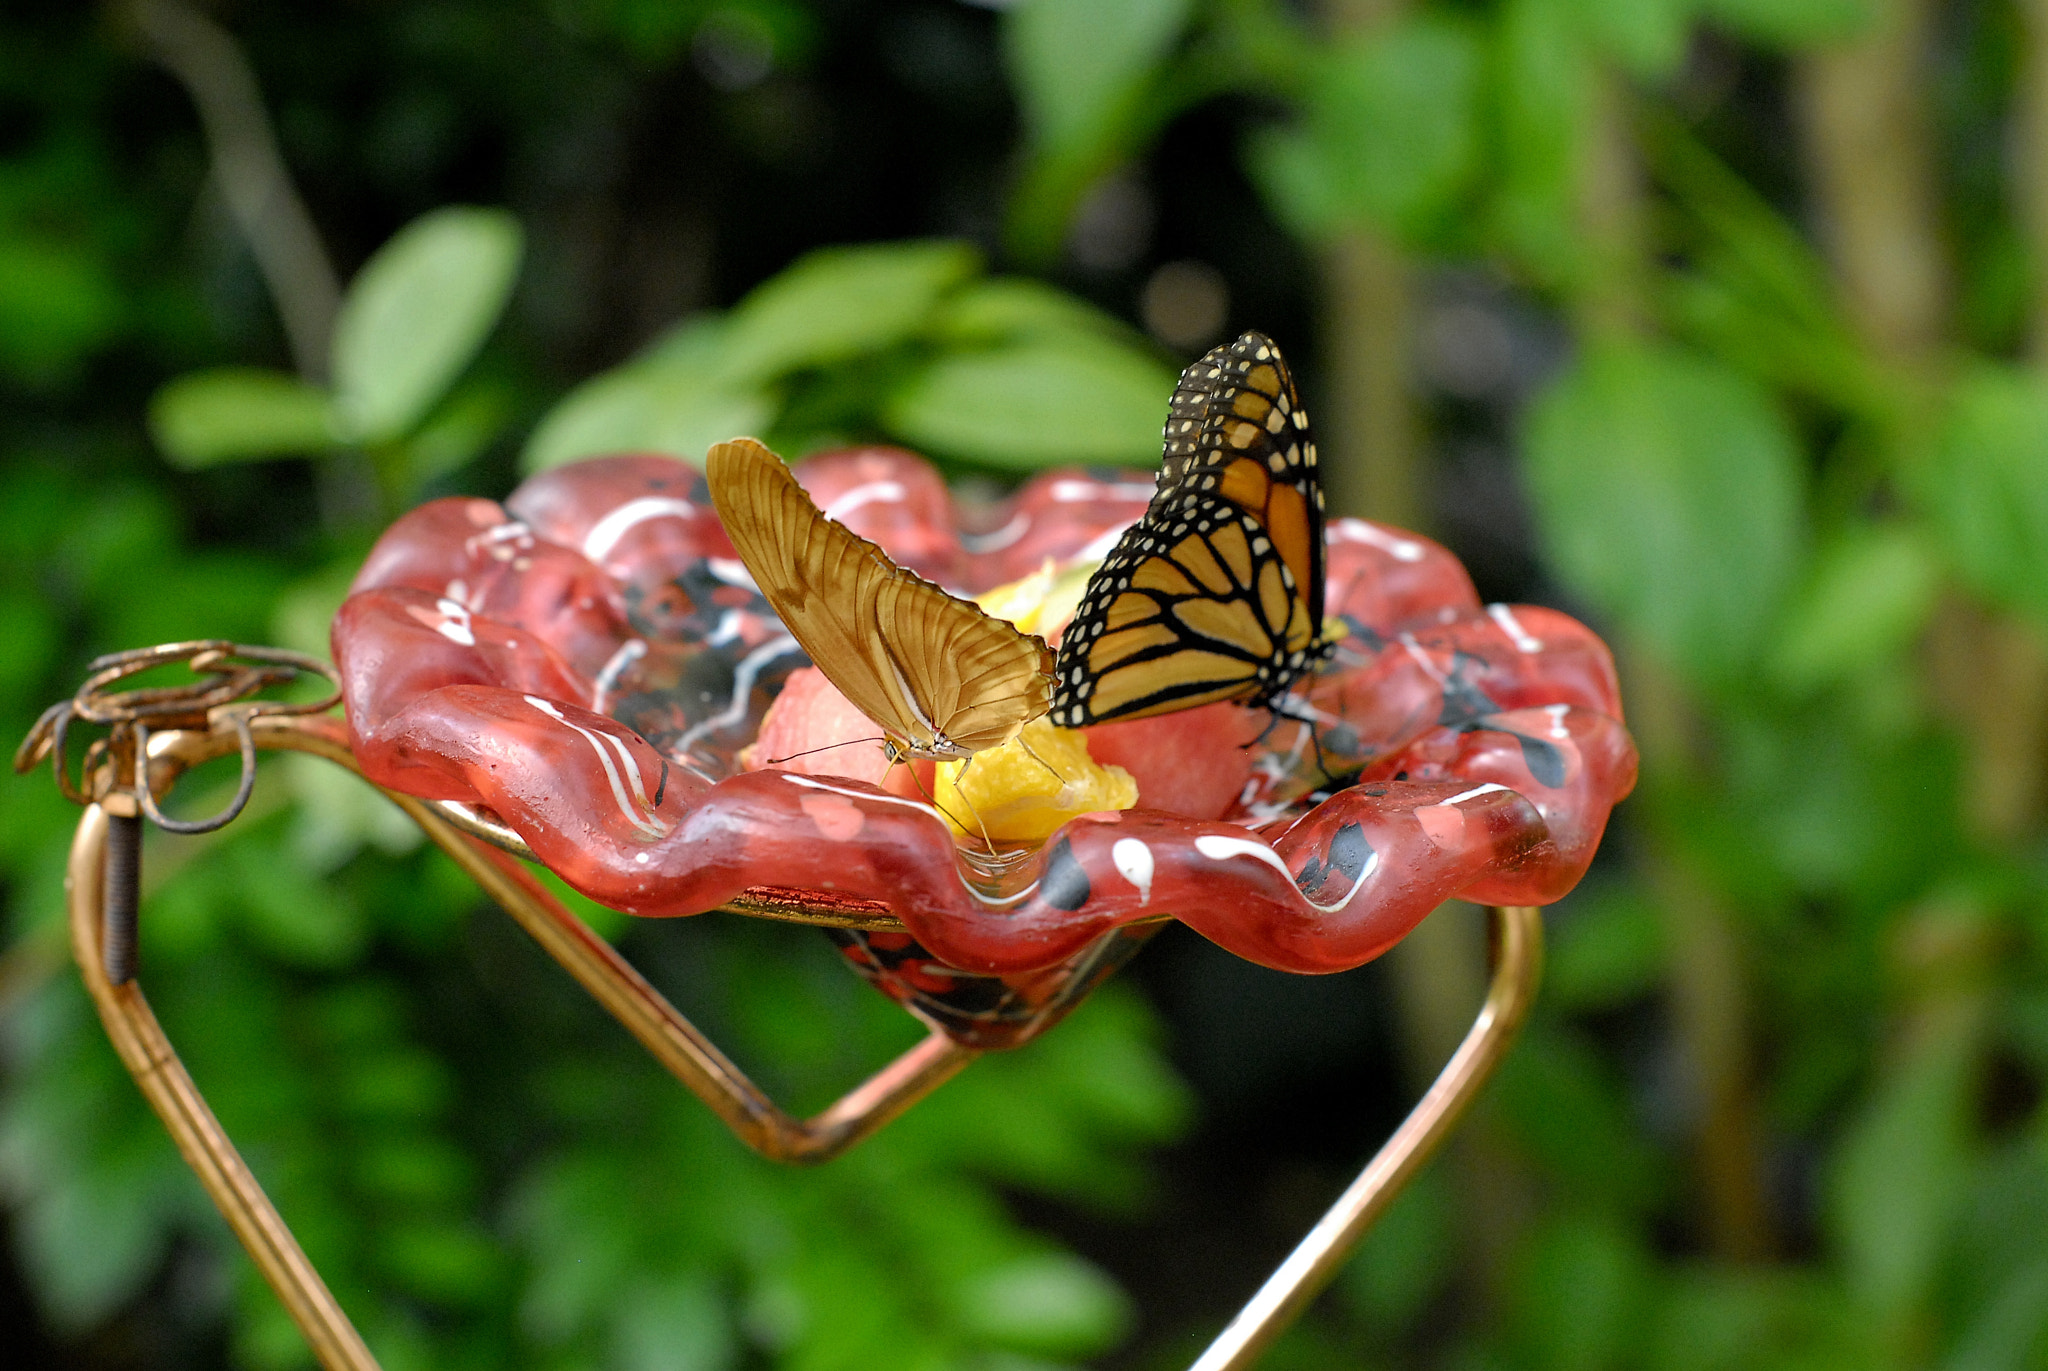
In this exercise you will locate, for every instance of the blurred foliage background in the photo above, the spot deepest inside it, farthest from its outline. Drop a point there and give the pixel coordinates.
(1723, 323)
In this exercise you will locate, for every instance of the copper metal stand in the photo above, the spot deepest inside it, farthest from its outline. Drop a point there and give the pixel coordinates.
(687, 1053)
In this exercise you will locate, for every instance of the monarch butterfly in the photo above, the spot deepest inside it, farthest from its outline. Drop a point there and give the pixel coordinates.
(941, 678)
(1217, 592)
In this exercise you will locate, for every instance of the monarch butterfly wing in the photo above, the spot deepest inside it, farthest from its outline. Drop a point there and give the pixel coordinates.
(1236, 428)
(1193, 606)
(822, 578)
(976, 677)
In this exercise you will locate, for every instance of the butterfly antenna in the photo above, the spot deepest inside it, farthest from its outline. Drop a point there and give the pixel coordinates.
(809, 751)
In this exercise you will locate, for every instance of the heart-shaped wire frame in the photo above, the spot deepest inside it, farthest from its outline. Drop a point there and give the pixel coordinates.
(481, 850)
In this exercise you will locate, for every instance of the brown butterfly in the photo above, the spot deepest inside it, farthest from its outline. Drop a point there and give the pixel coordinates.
(942, 678)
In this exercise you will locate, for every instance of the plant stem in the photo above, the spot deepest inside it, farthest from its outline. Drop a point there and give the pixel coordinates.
(1372, 465)
(2029, 192)
(1372, 461)
(1869, 139)
(1870, 148)
(250, 171)
(1707, 989)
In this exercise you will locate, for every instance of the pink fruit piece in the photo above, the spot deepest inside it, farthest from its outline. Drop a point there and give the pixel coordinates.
(813, 730)
(1193, 763)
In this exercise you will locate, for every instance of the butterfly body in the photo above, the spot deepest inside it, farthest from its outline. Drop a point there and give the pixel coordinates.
(1217, 592)
(942, 679)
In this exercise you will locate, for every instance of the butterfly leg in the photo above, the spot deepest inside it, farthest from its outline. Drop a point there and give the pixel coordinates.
(933, 800)
(960, 787)
(1277, 710)
(1050, 769)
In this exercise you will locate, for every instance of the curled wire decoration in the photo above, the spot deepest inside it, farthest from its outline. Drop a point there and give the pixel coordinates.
(196, 723)
(238, 720)
(228, 675)
(116, 770)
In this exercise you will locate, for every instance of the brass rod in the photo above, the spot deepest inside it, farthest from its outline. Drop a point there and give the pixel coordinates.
(151, 1059)
(677, 1043)
(610, 979)
(696, 1062)
(1287, 1293)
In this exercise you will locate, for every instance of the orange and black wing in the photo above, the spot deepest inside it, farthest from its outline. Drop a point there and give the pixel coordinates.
(1236, 429)
(1217, 593)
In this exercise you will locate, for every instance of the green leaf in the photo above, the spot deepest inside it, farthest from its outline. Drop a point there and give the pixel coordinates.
(1867, 596)
(456, 431)
(837, 304)
(1051, 1303)
(1646, 37)
(238, 414)
(92, 1238)
(1542, 78)
(1077, 64)
(1568, 1112)
(1609, 948)
(1036, 404)
(677, 399)
(57, 305)
(1757, 292)
(2003, 1313)
(1582, 1295)
(416, 314)
(1720, 1317)
(439, 1261)
(1986, 485)
(1389, 135)
(1898, 1176)
(300, 920)
(1792, 24)
(675, 1325)
(1667, 492)
(1407, 1257)
(1004, 309)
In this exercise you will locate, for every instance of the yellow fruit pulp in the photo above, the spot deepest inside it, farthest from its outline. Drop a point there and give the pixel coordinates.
(1042, 602)
(1022, 791)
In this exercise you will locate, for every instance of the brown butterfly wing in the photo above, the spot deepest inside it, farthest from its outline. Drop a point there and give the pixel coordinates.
(979, 678)
(821, 577)
(916, 660)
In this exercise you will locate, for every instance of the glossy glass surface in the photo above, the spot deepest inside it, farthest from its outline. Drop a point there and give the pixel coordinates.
(588, 660)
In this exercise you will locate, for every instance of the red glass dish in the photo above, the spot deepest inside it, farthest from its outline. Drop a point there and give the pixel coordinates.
(588, 660)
